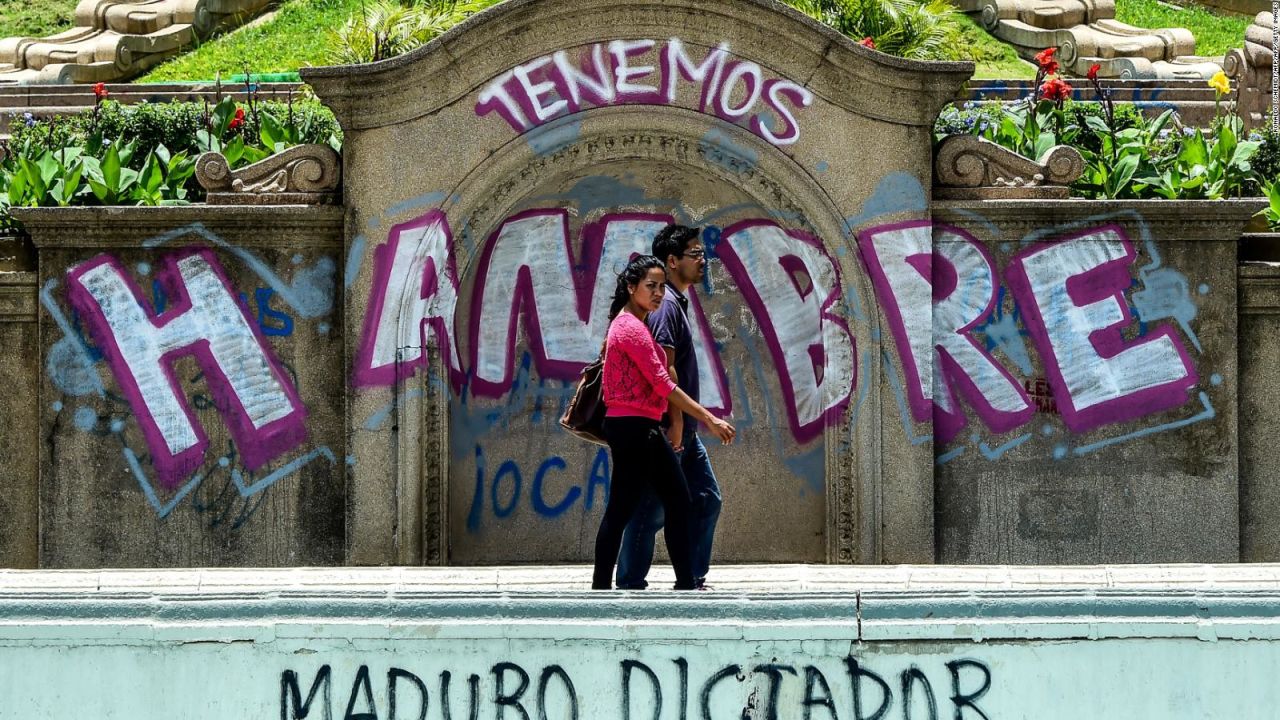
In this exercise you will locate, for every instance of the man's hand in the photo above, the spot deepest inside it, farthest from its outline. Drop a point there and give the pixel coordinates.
(675, 433)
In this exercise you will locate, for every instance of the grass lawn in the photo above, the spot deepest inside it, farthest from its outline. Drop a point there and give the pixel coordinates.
(994, 59)
(1216, 32)
(35, 18)
(300, 34)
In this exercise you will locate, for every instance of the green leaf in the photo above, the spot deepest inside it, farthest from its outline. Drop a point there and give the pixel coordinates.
(18, 185)
(69, 186)
(1153, 130)
(126, 152)
(270, 131)
(1125, 167)
(222, 114)
(150, 178)
(111, 169)
(101, 191)
(1043, 144)
(1097, 124)
(49, 167)
(1194, 151)
(35, 181)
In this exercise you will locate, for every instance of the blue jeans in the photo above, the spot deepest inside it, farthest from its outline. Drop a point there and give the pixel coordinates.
(638, 539)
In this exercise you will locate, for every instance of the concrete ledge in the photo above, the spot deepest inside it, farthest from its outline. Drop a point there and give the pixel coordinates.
(773, 642)
(857, 603)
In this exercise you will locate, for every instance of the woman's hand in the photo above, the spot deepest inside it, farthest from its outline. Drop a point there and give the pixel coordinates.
(722, 430)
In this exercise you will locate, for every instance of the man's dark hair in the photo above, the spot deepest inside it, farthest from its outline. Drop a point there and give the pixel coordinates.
(673, 240)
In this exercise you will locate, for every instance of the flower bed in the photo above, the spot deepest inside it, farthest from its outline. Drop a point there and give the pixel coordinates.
(1127, 155)
(145, 154)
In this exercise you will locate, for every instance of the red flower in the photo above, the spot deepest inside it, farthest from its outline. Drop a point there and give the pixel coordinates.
(238, 120)
(100, 90)
(1047, 62)
(867, 42)
(1093, 72)
(1055, 89)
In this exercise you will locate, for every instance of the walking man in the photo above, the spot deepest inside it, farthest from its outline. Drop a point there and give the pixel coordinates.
(680, 248)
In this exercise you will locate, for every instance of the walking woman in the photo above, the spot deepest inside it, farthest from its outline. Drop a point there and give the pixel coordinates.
(637, 390)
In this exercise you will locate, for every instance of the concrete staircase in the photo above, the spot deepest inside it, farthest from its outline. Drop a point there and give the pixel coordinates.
(1086, 32)
(115, 40)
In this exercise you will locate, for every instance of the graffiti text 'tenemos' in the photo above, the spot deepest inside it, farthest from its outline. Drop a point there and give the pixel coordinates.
(646, 72)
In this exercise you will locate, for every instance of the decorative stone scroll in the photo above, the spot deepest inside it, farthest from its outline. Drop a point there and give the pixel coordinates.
(1250, 68)
(301, 175)
(969, 167)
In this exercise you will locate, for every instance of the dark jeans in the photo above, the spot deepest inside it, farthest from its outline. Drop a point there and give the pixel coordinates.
(638, 540)
(643, 462)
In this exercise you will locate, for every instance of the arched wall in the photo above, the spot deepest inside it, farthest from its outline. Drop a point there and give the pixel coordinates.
(487, 152)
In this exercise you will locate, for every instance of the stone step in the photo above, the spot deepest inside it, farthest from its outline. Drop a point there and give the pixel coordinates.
(119, 39)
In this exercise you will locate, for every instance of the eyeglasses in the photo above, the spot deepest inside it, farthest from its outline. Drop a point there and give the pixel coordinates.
(694, 255)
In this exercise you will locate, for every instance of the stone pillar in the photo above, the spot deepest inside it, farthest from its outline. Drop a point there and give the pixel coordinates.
(20, 378)
(1259, 411)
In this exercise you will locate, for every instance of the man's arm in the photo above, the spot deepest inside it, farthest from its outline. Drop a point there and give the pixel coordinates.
(676, 431)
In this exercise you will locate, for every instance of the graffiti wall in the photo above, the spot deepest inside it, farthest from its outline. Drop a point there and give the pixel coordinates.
(187, 370)
(1087, 360)
(381, 383)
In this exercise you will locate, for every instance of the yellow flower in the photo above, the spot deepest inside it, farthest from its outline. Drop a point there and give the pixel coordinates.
(1220, 83)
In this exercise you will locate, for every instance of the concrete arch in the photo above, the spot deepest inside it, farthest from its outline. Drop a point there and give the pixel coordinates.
(530, 97)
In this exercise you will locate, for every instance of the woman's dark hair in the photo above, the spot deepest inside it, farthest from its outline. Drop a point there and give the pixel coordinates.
(632, 274)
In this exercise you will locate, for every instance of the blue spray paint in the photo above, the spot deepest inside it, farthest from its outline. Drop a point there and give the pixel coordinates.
(897, 192)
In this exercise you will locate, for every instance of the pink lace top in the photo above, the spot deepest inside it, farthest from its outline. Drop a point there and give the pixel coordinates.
(636, 381)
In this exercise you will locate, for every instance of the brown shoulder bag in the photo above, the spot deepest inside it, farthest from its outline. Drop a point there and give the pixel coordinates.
(584, 415)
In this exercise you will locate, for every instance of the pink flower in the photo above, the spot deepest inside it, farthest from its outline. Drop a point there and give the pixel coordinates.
(867, 42)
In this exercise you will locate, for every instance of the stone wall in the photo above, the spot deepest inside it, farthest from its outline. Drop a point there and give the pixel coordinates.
(1259, 412)
(190, 405)
(913, 381)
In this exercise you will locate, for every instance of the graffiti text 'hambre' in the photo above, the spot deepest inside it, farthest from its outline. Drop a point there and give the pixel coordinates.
(789, 281)
(623, 72)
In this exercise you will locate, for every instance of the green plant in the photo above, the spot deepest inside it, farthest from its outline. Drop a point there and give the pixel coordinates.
(175, 125)
(145, 154)
(1271, 213)
(1210, 166)
(1127, 155)
(906, 28)
(386, 28)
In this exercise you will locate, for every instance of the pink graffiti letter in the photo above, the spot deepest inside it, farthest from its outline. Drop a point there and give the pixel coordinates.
(791, 285)
(259, 404)
(899, 259)
(1071, 294)
(965, 294)
(415, 290)
(528, 270)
